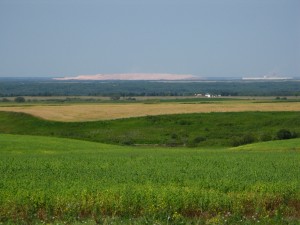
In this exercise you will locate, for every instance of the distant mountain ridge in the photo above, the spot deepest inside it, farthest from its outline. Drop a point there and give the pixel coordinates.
(133, 76)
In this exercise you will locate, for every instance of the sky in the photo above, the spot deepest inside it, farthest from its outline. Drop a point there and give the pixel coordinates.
(210, 38)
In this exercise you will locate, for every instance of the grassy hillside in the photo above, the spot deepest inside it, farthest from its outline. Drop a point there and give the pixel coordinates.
(52, 179)
(292, 145)
(211, 129)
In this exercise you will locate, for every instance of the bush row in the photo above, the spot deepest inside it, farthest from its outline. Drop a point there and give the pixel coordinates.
(282, 134)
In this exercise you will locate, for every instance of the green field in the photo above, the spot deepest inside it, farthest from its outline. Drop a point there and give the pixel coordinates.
(167, 169)
(60, 180)
(207, 129)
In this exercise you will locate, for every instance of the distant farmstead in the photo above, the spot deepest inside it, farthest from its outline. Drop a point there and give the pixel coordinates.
(207, 95)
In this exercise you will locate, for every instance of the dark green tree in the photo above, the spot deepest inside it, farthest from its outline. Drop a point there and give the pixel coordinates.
(284, 134)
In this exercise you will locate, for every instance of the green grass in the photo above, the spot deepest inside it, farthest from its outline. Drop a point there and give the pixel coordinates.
(207, 129)
(292, 145)
(51, 180)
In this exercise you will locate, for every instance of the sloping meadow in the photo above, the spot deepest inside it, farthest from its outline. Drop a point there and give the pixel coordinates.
(56, 180)
(206, 129)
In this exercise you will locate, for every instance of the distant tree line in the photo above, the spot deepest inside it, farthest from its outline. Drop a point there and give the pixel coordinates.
(36, 87)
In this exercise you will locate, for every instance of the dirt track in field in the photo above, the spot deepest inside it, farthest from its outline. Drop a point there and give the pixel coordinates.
(90, 112)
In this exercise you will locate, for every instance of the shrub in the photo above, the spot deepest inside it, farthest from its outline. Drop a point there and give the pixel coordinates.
(174, 136)
(19, 99)
(265, 137)
(174, 142)
(245, 139)
(5, 100)
(115, 98)
(127, 142)
(183, 122)
(285, 134)
(195, 141)
(198, 139)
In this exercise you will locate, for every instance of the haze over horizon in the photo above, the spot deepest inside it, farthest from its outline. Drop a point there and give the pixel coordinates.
(205, 38)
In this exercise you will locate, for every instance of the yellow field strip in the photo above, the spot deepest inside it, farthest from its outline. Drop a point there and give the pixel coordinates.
(90, 112)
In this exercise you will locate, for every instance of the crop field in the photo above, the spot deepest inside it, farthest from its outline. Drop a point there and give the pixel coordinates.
(56, 180)
(107, 111)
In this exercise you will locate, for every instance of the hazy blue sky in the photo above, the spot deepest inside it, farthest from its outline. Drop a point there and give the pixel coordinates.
(200, 37)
